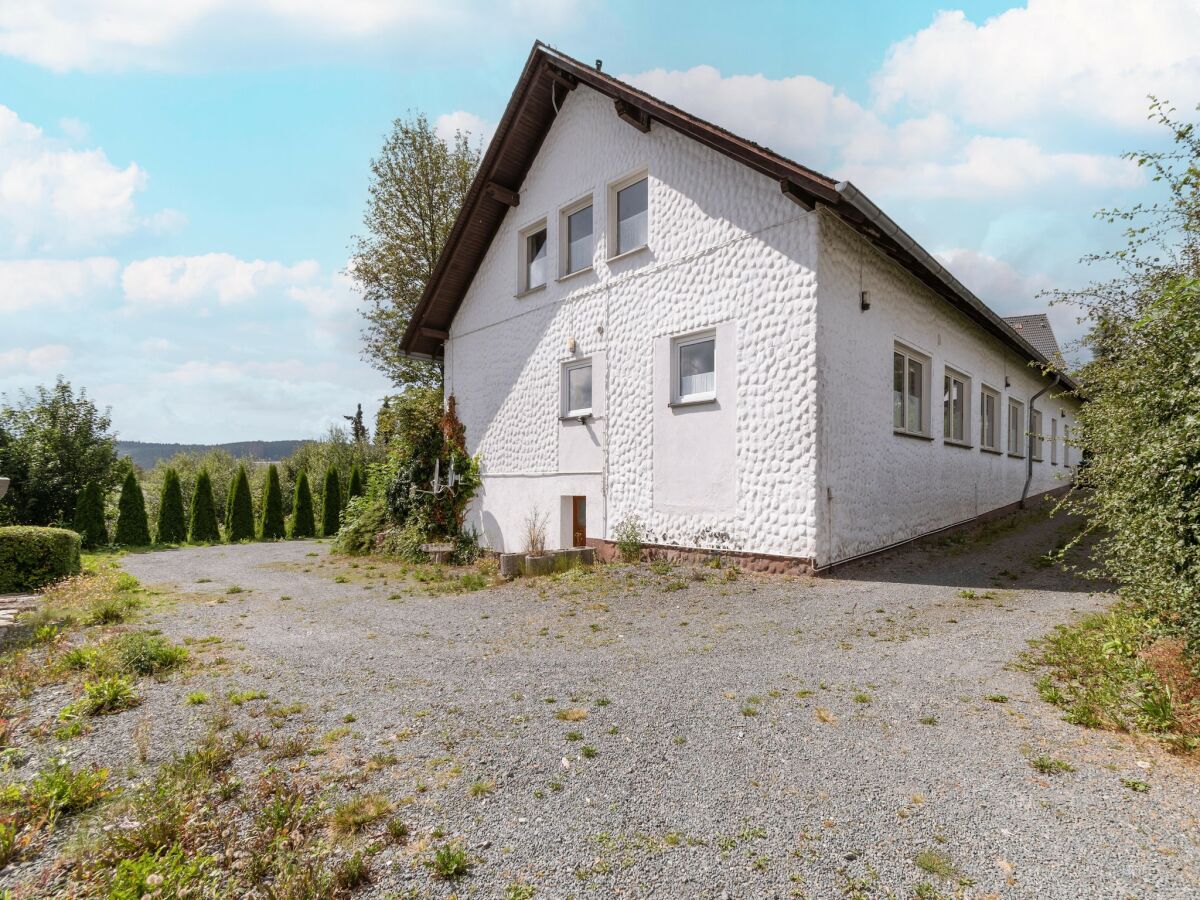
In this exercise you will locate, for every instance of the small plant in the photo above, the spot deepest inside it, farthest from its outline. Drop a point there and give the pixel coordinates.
(353, 872)
(142, 653)
(235, 589)
(629, 534)
(535, 531)
(588, 752)
(1048, 765)
(1135, 785)
(862, 697)
(935, 864)
(571, 714)
(450, 861)
(8, 843)
(354, 815)
(928, 720)
(481, 788)
(237, 698)
(59, 790)
(574, 735)
(107, 695)
(518, 890)
(397, 830)
(197, 698)
(997, 698)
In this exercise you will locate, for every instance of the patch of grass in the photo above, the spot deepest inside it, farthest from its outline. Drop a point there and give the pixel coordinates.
(997, 698)
(574, 735)
(58, 790)
(107, 695)
(572, 714)
(143, 653)
(450, 862)
(825, 716)
(356, 814)
(518, 890)
(1049, 765)
(1121, 670)
(237, 698)
(588, 752)
(481, 788)
(352, 872)
(1136, 785)
(862, 697)
(397, 830)
(928, 720)
(935, 864)
(197, 698)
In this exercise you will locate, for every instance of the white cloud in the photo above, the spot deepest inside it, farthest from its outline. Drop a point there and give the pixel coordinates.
(1073, 59)
(65, 35)
(460, 120)
(46, 358)
(45, 284)
(173, 281)
(55, 198)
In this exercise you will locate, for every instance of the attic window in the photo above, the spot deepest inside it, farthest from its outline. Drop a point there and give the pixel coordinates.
(578, 236)
(534, 249)
(628, 201)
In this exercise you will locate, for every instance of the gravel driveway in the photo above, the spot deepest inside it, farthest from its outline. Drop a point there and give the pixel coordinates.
(745, 737)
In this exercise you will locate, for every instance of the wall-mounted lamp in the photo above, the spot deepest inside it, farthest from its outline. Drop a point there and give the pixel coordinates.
(570, 345)
(864, 300)
(1007, 382)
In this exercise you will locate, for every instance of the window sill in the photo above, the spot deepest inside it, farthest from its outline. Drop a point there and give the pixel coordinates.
(991, 450)
(960, 444)
(912, 434)
(625, 254)
(1017, 455)
(692, 401)
(533, 290)
(577, 417)
(574, 274)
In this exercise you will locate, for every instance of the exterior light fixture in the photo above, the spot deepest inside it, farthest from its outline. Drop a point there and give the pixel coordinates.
(571, 345)
(1007, 382)
(864, 300)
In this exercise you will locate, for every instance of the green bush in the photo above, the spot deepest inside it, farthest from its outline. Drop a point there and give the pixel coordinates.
(133, 530)
(365, 517)
(630, 537)
(142, 653)
(89, 516)
(163, 873)
(32, 557)
(356, 483)
(172, 522)
(272, 508)
(239, 517)
(331, 507)
(204, 529)
(303, 525)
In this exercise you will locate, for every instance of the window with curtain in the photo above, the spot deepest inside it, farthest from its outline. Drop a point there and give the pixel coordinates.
(696, 367)
(954, 408)
(908, 392)
(988, 431)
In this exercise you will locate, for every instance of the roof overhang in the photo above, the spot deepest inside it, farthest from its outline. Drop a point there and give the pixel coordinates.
(546, 80)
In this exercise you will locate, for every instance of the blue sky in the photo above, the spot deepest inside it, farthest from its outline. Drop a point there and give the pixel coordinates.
(179, 182)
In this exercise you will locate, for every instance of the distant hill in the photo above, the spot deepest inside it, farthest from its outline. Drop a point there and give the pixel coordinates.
(147, 454)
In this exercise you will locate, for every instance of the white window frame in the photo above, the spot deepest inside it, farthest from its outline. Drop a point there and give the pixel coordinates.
(564, 237)
(1035, 431)
(965, 380)
(615, 251)
(1066, 444)
(678, 398)
(986, 393)
(565, 381)
(523, 286)
(1053, 441)
(911, 355)
(1016, 419)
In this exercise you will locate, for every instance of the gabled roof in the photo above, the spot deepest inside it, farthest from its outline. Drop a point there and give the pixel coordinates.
(546, 80)
(1036, 329)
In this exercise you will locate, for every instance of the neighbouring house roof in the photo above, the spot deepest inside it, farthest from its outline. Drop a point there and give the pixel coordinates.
(545, 82)
(1036, 329)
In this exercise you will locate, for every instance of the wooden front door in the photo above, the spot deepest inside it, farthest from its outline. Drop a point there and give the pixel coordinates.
(579, 521)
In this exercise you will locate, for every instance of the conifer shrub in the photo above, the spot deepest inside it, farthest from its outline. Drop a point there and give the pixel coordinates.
(133, 528)
(32, 557)
(272, 511)
(331, 507)
(239, 517)
(172, 521)
(204, 528)
(303, 524)
(89, 516)
(356, 483)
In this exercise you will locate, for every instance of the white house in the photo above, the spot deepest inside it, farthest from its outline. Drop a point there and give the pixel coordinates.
(643, 315)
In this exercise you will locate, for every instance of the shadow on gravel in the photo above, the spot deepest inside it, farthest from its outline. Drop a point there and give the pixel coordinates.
(1014, 552)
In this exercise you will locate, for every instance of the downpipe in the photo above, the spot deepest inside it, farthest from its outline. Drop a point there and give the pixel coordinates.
(1032, 438)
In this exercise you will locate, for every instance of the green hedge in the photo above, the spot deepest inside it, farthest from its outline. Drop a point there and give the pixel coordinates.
(31, 557)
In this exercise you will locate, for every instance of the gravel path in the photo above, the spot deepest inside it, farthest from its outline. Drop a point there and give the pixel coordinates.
(753, 737)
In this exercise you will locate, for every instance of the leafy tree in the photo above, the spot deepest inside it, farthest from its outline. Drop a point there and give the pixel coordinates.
(418, 183)
(89, 516)
(358, 429)
(53, 442)
(172, 524)
(133, 528)
(331, 503)
(272, 507)
(303, 525)
(239, 518)
(356, 483)
(334, 449)
(204, 528)
(1139, 484)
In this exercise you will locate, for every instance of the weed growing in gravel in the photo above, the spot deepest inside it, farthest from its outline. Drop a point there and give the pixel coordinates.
(825, 716)
(197, 698)
(144, 653)
(237, 698)
(481, 788)
(518, 890)
(1135, 785)
(862, 697)
(450, 861)
(235, 589)
(356, 814)
(572, 714)
(397, 830)
(928, 720)
(588, 752)
(996, 698)
(352, 872)
(107, 695)
(1048, 765)
(935, 864)
(574, 735)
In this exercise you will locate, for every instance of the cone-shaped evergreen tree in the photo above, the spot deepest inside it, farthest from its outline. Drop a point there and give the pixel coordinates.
(331, 509)
(303, 525)
(239, 522)
(204, 528)
(172, 523)
(356, 483)
(272, 511)
(89, 516)
(133, 529)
